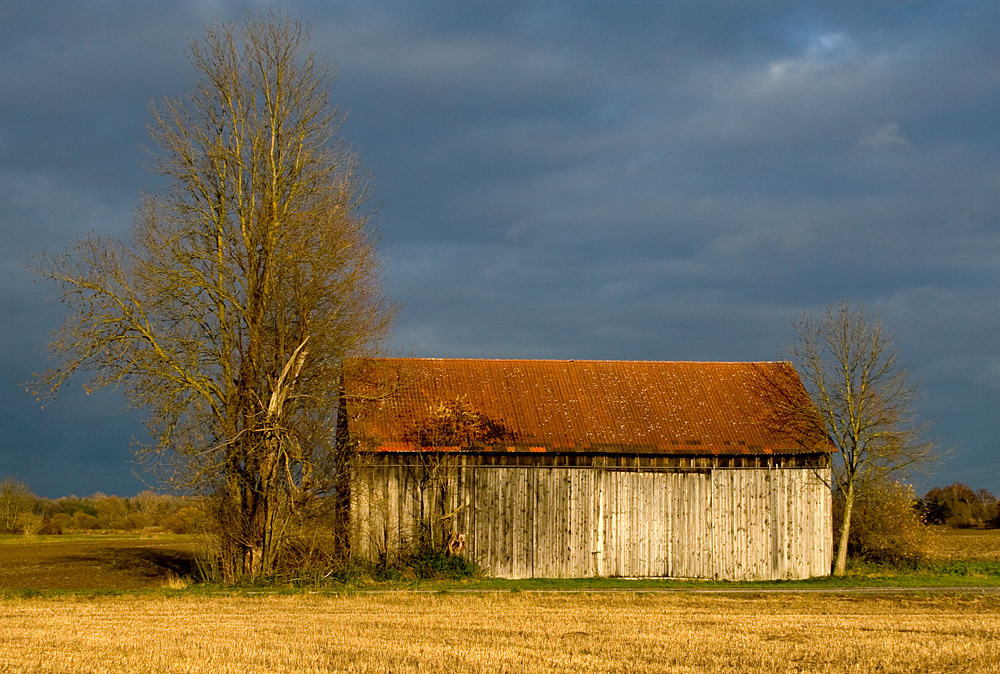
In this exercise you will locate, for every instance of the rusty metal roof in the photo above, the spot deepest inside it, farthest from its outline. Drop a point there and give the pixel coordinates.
(640, 407)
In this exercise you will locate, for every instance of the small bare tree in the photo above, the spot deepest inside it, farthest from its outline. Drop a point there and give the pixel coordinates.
(16, 499)
(447, 429)
(244, 285)
(865, 400)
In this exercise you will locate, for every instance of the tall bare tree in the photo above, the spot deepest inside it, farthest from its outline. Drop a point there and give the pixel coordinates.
(244, 285)
(865, 399)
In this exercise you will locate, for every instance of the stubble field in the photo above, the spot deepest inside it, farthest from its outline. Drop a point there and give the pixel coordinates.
(153, 631)
(503, 632)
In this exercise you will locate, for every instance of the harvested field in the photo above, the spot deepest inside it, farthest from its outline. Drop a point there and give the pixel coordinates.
(504, 632)
(488, 632)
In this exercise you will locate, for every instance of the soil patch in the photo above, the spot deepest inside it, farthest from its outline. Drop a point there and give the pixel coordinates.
(92, 563)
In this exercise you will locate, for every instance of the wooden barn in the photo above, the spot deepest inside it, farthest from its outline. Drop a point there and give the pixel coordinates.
(539, 468)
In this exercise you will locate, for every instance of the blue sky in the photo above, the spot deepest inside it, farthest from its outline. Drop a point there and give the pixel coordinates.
(628, 180)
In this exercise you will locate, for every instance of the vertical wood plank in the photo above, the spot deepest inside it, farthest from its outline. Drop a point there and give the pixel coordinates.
(525, 521)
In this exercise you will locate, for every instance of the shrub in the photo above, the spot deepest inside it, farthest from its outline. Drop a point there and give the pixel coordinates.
(886, 526)
(84, 522)
(434, 564)
(187, 520)
(112, 511)
(136, 521)
(62, 522)
(50, 527)
(422, 561)
(29, 523)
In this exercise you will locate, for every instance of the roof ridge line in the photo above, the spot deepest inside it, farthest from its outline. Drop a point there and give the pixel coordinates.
(575, 360)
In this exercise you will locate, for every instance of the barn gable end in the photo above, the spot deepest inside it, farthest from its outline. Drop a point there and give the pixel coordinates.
(584, 468)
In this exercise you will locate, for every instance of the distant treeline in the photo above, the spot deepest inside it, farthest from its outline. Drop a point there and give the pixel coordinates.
(22, 512)
(961, 507)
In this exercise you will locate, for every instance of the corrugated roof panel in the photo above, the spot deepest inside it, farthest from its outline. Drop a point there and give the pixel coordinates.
(588, 406)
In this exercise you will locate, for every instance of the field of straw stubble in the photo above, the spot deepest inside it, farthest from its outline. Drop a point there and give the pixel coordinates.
(503, 632)
(160, 631)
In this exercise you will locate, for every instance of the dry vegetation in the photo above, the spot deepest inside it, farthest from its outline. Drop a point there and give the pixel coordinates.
(506, 632)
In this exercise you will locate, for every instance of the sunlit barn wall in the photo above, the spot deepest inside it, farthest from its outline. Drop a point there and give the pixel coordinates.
(524, 521)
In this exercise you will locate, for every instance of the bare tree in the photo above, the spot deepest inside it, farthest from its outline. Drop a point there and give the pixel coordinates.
(865, 400)
(16, 499)
(244, 285)
(439, 439)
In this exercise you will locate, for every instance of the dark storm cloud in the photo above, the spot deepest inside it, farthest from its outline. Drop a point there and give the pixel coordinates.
(576, 180)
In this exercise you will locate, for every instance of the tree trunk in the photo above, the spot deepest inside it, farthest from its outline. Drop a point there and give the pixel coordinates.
(249, 552)
(248, 518)
(840, 567)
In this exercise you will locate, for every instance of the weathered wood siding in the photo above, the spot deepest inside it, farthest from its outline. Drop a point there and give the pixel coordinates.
(565, 522)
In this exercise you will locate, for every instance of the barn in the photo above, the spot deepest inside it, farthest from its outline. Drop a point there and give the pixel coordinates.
(563, 468)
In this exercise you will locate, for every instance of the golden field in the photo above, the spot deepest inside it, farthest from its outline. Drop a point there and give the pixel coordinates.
(503, 632)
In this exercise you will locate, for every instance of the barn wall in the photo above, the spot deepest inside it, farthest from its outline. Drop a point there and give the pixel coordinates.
(544, 521)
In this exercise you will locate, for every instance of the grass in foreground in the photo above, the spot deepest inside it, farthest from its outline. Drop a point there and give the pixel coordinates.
(507, 632)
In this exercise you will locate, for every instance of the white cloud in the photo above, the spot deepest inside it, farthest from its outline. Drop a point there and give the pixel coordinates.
(824, 52)
(886, 137)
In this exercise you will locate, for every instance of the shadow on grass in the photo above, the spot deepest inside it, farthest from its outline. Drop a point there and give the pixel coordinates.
(143, 565)
(151, 562)
(94, 563)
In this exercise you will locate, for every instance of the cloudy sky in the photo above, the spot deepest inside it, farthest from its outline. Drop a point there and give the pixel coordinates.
(619, 180)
